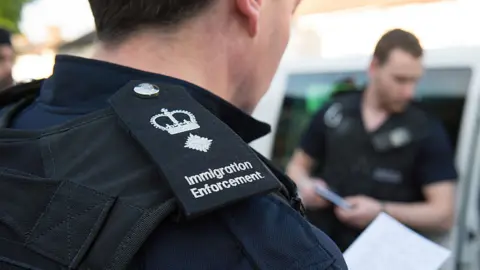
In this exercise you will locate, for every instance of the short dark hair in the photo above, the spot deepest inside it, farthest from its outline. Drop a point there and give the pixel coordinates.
(397, 39)
(117, 19)
(5, 37)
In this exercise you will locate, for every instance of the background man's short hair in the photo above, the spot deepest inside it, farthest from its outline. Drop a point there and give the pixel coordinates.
(397, 39)
(5, 37)
(117, 19)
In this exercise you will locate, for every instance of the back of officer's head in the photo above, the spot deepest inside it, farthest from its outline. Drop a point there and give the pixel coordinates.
(396, 68)
(249, 35)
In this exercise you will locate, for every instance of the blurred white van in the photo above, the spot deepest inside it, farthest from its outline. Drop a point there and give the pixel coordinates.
(450, 89)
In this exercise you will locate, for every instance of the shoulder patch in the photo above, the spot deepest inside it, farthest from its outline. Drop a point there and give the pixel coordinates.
(205, 163)
(334, 115)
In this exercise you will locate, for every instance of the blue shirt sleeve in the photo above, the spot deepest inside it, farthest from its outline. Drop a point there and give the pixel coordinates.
(435, 162)
(313, 139)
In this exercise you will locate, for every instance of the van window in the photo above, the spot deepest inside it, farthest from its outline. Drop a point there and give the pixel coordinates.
(441, 92)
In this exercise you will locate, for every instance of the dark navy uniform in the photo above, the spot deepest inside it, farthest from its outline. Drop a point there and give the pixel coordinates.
(102, 172)
(393, 163)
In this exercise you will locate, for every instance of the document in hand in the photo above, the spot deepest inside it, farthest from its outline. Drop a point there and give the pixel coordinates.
(332, 197)
(388, 244)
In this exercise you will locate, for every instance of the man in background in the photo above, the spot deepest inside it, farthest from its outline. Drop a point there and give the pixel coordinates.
(378, 151)
(7, 57)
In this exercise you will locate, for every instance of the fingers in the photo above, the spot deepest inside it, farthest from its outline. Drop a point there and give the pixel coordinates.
(348, 214)
(316, 201)
(349, 217)
(354, 200)
(345, 215)
(320, 182)
(340, 213)
(310, 198)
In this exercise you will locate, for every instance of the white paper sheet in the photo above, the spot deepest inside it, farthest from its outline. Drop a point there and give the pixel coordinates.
(389, 245)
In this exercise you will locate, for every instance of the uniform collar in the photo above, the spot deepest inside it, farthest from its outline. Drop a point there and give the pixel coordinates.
(80, 85)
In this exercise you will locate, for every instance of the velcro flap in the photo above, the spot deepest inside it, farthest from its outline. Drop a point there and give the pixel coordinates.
(23, 198)
(70, 223)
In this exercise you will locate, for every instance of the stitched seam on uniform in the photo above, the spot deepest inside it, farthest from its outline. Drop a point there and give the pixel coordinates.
(124, 243)
(11, 241)
(79, 124)
(133, 206)
(126, 240)
(52, 159)
(327, 266)
(17, 173)
(43, 213)
(299, 262)
(100, 194)
(304, 225)
(324, 263)
(66, 110)
(87, 242)
(54, 195)
(53, 227)
(49, 132)
(69, 235)
(59, 224)
(335, 266)
(11, 224)
(17, 264)
(14, 173)
(44, 153)
(251, 261)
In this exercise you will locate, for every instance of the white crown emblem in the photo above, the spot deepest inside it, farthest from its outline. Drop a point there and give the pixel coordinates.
(175, 126)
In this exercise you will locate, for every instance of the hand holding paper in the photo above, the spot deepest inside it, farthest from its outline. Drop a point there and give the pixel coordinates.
(310, 198)
(332, 197)
(362, 212)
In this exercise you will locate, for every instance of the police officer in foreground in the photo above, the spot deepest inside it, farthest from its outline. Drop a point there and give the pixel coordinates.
(378, 151)
(7, 58)
(139, 157)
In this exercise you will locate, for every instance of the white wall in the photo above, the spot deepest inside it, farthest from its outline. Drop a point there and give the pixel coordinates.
(33, 66)
(438, 25)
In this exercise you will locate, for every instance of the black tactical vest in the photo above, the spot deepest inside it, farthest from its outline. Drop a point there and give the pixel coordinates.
(379, 164)
(87, 194)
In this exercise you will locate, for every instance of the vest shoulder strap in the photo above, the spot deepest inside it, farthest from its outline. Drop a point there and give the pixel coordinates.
(19, 92)
(14, 99)
(340, 107)
(349, 100)
(403, 129)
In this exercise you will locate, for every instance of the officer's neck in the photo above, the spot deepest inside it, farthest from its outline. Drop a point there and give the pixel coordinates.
(187, 58)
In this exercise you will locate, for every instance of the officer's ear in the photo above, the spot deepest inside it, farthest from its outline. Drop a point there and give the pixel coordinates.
(374, 65)
(250, 10)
